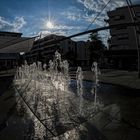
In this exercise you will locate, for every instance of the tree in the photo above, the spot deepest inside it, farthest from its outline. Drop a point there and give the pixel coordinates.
(96, 47)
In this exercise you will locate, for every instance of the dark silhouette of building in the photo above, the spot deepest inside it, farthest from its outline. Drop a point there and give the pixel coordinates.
(44, 49)
(122, 53)
(123, 37)
(11, 46)
(75, 52)
(82, 53)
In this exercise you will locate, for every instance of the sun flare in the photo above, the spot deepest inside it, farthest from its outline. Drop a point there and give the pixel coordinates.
(50, 24)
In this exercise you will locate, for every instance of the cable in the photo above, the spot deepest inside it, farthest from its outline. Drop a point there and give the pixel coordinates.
(133, 11)
(98, 15)
(130, 10)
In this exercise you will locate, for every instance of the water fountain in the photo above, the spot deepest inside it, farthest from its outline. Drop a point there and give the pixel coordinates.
(79, 77)
(47, 92)
(96, 73)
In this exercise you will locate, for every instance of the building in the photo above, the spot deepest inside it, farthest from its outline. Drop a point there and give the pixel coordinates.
(82, 53)
(44, 48)
(122, 52)
(11, 46)
(123, 37)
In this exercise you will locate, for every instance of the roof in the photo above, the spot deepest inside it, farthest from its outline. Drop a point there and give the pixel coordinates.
(4, 33)
(124, 7)
(9, 44)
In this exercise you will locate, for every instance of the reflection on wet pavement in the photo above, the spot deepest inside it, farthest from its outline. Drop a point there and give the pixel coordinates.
(116, 119)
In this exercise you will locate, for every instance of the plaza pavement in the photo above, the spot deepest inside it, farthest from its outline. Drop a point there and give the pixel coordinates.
(10, 124)
(118, 77)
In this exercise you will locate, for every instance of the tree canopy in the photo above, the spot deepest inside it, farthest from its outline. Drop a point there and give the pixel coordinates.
(96, 47)
(96, 42)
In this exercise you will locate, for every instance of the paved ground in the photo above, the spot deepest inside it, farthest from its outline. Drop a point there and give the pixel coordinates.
(12, 126)
(118, 120)
(119, 77)
(123, 78)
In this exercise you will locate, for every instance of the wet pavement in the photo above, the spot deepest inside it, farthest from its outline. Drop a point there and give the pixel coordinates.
(117, 119)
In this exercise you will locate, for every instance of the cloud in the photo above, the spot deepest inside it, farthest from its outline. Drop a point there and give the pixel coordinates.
(92, 4)
(18, 23)
(61, 29)
(58, 30)
(13, 26)
(81, 38)
(72, 13)
(58, 26)
(65, 27)
(96, 6)
(91, 9)
(104, 35)
(44, 33)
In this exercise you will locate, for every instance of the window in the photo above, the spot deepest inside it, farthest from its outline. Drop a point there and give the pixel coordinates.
(119, 17)
(69, 42)
(122, 36)
(112, 47)
(138, 14)
(124, 46)
(121, 28)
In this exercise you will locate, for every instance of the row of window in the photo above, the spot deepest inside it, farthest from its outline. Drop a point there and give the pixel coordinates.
(121, 36)
(122, 17)
(118, 47)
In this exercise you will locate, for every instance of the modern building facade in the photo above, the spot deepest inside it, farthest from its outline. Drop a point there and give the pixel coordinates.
(44, 48)
(124, 41)
(83, 53)
(123, 38)
(11, 45)
(75, 52)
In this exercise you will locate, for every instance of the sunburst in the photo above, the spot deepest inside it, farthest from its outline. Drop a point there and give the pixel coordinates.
(50, 24)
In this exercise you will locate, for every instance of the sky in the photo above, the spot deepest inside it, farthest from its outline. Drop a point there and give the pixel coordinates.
(67, 17)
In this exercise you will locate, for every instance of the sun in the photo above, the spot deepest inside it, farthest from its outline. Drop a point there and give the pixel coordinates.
(50, 24)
